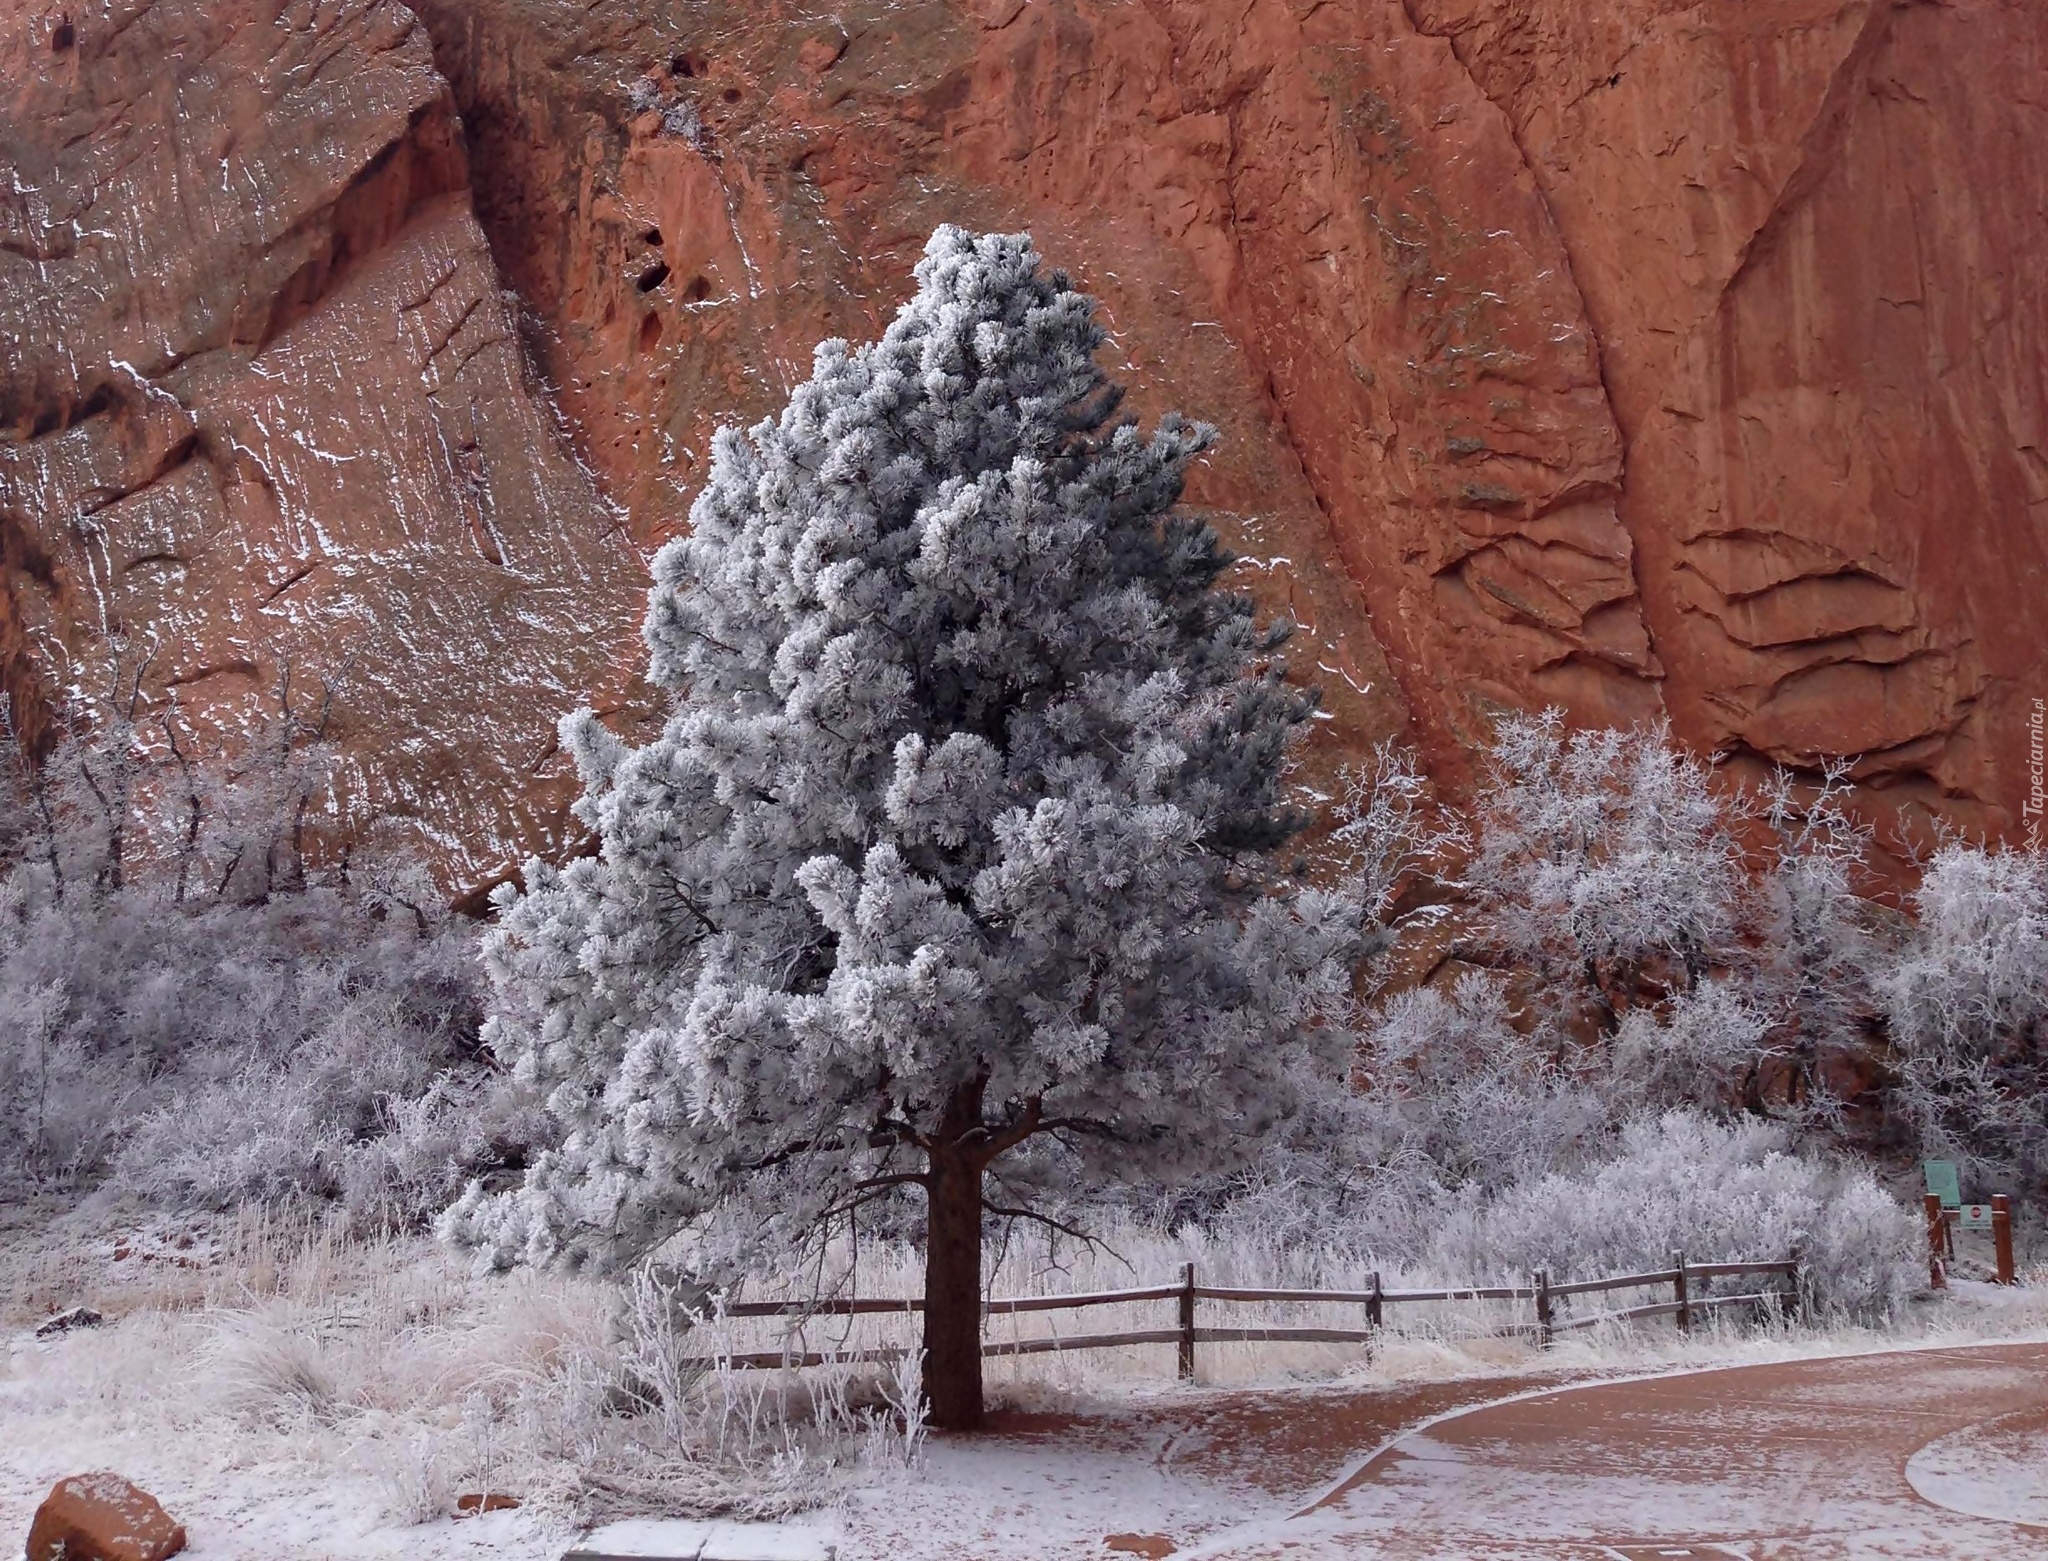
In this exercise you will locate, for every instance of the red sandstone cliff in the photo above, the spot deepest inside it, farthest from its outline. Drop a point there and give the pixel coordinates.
(1636, 356)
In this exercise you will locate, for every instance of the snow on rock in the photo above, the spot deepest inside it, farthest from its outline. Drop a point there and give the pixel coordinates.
(659, 1539)
(65, 1321)
(102, 1517)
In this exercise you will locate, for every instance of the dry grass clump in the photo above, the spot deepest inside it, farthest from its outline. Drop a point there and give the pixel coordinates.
(380, 1357)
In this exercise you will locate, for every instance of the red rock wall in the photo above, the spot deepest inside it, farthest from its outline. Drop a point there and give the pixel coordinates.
(1810, 237)
(1634, 356)
(269, 436)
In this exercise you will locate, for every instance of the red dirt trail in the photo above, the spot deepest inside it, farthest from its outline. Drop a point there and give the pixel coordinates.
(1790, 1461)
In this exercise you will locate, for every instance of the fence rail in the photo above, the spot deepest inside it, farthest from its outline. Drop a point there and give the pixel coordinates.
(1684, 1307)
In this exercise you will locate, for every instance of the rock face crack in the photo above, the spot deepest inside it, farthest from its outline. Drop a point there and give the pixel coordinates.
(1776, 228)
(1820, 146)
(1638, 657)
(181, 455)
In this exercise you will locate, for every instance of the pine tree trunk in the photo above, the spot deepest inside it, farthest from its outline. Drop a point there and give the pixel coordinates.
(952, 1293)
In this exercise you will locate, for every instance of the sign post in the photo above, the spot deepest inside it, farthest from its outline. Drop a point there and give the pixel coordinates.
(2001, 1238)
(1937, 1229)
(1944, 1193)
(1945, 1216)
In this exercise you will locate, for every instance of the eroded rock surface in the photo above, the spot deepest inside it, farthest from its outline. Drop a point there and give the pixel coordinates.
(270, 438)
(1636, 356)
(1809, 241)
(1639, 357)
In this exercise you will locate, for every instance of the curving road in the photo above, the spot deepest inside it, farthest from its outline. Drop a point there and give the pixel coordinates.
(1927, 1455)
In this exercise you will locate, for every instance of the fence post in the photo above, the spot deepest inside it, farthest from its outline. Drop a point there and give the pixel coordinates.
(1681, 1292)
(1802, 1284)
(1543, 1313)
(1936, 1278)
(1373, 1309)
(2001, 1237)
(1187, 1322)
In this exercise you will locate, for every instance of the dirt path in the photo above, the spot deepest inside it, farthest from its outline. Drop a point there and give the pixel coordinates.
(1277, 1442)
(1904, 1456)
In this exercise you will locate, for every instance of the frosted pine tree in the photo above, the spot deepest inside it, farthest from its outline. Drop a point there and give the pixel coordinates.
(956, 866)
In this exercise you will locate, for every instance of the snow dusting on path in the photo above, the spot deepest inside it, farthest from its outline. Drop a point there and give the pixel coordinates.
(1901, 1456)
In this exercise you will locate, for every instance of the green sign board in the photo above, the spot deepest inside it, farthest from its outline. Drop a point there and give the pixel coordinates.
(1941, 1181)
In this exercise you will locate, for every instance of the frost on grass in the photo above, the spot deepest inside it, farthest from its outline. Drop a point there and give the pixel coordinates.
(376, 1365)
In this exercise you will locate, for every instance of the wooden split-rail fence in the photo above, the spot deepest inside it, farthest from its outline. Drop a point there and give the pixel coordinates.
(1686, 1306)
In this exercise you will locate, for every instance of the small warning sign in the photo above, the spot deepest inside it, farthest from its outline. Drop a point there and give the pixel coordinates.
(1976, 1216)
(1942, 1182)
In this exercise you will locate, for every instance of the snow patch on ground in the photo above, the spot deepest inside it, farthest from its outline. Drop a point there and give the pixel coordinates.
(1996, 1470)
(672, 1539)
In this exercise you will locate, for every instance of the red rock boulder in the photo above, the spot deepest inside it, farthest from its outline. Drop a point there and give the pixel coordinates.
(102, 1517)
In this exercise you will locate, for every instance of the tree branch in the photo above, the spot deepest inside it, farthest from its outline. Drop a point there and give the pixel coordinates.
(1077, 1125)
(789, 1152)
(1004, 1211)
(995, 1141)
(864, 1193)
(895, 1179)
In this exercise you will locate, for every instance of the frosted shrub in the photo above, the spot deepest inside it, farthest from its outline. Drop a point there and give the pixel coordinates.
(210, 1055)
(413, 1473)
(1456, 1094)
(1691, 1051)
(1814, 946)
(1718, 1192)
(192, 1048)
(1716, 936)
(1385, 833)
(1605, 862)
(1967, 1005)
(275, 1364)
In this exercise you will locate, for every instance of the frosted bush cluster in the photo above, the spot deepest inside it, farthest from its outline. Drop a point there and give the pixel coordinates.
(1720, 1192)
(1712, 940)
(214, 1026)
(1967, 1008)
(1620, 1195)
(1678, 942)
(1640, 1039)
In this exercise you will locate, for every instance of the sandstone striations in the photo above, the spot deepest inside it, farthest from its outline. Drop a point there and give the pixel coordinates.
(1641, 357)
(272, 451)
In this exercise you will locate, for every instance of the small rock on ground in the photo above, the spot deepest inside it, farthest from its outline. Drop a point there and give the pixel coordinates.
(64, 1322)
(102, 1517)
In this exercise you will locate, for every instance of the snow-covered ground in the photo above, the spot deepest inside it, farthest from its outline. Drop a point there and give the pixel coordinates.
(296, 1399)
